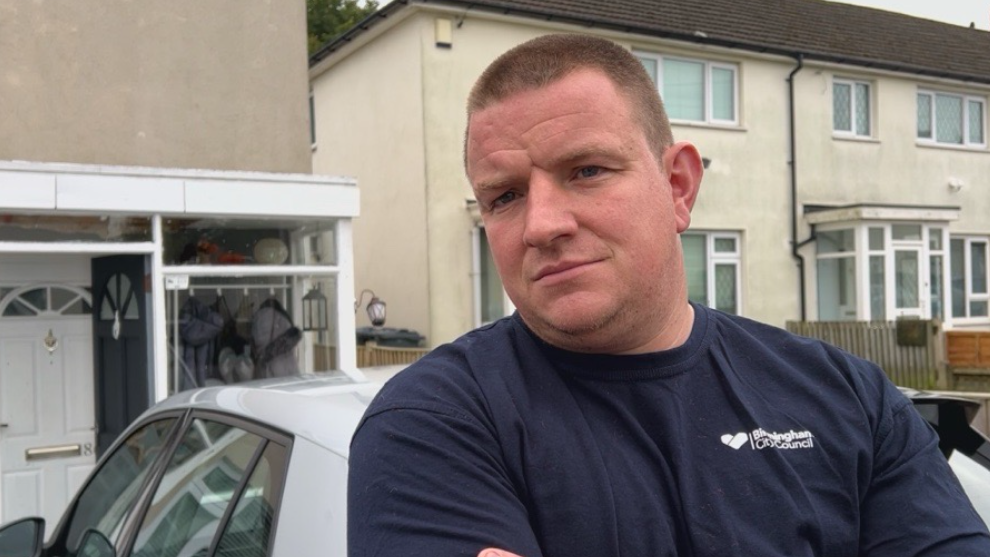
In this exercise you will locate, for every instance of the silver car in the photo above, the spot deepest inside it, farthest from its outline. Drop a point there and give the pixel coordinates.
(227, 471)
(260, 469)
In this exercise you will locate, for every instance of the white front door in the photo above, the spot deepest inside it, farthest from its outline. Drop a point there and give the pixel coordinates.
(46, 408)
(911, 296)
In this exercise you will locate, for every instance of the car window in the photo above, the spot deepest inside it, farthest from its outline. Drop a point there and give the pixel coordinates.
(975, 480)
(250, 527)
(202, 476)
(111, 493)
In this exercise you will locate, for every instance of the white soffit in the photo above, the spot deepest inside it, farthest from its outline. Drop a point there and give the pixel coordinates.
(882, 213)
(102, 192)
(76, 188)
(21, 190)
(268, 198)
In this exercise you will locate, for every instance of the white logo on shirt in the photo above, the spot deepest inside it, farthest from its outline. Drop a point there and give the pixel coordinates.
(760, 439)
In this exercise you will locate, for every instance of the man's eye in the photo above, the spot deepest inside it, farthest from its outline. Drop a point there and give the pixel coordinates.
(589, 171)
(505, 198)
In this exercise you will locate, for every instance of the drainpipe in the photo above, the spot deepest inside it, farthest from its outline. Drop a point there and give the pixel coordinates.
(795, 246)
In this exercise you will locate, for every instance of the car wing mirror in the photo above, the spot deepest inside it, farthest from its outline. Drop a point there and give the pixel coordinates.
(95, 544)
(22, 538)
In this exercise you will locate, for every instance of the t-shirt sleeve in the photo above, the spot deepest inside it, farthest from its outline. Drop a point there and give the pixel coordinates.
(914, 505)
(430, 480)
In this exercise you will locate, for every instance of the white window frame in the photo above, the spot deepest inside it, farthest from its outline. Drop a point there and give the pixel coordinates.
(709, 65)
(852, 83)
(714, 258)
(476, 254)
(932, 94)
(969, 295)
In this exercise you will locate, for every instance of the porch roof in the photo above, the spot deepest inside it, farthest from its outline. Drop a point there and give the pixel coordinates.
(822, 214)
(47, 188)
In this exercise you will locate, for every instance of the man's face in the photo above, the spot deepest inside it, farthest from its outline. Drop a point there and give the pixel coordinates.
(581, 217)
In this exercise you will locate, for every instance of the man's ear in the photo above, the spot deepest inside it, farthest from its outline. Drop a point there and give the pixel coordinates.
(684, 171)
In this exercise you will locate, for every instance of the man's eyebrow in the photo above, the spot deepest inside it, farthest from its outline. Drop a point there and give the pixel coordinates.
(585, 152)
(492, 184)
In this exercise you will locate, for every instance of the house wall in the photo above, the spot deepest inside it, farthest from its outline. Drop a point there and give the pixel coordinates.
(891, 167)
(370, 125)
(746, 187)
(182, 83)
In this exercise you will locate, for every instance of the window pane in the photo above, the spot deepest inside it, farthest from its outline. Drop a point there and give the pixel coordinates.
(937, 288)
(725, 245)
(106, 500)
(878, 288)
(978, 266)
(200, 481)
(684, 89)
(836, 241)
(862, 109)
(723, 97)
(978, 309)
(837, 289)
(906, 279)
(651, 67)
(841, 103)
(948, 119)
(924, 116)
(935, 239)
(957, 264)
(695, 267)
(975, 122)
(876, 239)
(492, 306)
(910, 232)
(725, 287)
(250, 526)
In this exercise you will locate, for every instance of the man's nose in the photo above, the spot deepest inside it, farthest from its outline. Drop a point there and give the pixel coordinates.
(549, 211)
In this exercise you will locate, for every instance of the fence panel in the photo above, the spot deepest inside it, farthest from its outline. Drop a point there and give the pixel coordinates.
(909, 366)
(370, 355)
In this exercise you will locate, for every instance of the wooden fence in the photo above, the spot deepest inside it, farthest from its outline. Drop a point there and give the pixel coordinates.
(918, 365)
(370, 354)
(968, 354)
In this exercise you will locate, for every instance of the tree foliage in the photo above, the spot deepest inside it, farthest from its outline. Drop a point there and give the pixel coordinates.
(326, 19)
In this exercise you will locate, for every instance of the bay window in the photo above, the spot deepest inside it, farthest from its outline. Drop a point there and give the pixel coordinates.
(970, 294)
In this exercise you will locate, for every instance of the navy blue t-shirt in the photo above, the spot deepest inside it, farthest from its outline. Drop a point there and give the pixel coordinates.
(745, 441)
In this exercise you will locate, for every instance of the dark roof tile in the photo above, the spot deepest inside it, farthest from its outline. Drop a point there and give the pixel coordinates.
(815, 28)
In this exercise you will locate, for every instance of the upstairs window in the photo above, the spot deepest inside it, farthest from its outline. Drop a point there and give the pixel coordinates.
(951, 119)
(695, 90)
(851, 108)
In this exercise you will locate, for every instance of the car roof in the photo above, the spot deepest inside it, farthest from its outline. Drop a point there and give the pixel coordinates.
(324, 409)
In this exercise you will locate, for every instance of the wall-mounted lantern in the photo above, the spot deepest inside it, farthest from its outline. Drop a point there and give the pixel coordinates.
(375, 308)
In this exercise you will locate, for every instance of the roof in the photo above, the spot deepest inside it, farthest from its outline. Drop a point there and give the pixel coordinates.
(814, 29)
(323, 409)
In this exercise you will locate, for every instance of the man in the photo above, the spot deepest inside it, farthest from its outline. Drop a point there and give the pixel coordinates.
(609, 416)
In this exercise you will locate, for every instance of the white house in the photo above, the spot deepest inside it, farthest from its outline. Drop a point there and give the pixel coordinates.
(848, 171)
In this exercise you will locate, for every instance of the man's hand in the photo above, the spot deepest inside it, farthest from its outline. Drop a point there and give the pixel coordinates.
(492, 552)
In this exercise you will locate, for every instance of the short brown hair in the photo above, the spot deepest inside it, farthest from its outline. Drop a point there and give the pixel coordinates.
(541, 61)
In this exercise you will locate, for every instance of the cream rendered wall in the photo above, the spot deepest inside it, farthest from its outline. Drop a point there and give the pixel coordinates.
(182, 83)
(370, 125)
(891, 167)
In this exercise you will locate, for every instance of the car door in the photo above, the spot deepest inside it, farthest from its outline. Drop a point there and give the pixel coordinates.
(218, 493)
(112, 493)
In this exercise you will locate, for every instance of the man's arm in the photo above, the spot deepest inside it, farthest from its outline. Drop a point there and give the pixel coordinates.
(431, 481)
(914, 504)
